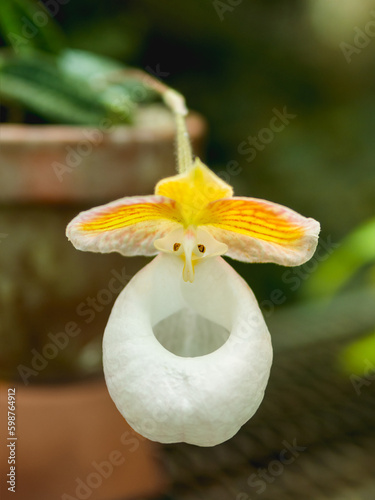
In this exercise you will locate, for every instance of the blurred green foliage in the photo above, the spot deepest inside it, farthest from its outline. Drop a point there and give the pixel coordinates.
(40, 73)
(26, 26)
(70, 87)
(356, 253)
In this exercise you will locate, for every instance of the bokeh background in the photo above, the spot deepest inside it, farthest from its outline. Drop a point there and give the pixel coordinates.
(240, 64)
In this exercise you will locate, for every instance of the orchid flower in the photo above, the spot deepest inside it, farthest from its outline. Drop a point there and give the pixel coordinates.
(186, 351)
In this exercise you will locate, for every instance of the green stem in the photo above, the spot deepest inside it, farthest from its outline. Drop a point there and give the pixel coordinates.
(176, 103)
(184, 152)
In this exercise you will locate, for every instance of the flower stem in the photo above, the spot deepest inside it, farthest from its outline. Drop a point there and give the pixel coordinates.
(184, 153)
(175, 102)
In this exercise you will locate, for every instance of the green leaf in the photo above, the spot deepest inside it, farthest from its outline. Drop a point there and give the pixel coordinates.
(27, 25)
(10, 25)
(74, 87)
(81, 63)
(37, 83)
(49, 35)
(116, 91)
(356, 251)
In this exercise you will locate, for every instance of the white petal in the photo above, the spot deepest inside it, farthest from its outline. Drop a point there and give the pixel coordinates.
(185, 390)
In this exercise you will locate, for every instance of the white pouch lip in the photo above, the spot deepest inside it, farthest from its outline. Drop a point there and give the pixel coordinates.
(201, 400)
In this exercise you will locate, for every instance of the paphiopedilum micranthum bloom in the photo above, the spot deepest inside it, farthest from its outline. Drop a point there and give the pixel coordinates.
(186, 351)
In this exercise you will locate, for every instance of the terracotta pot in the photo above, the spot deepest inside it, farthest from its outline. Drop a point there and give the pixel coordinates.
(72, 443)
(59, 164)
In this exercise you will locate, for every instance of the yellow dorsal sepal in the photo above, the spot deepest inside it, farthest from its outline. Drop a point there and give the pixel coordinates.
(193, 191)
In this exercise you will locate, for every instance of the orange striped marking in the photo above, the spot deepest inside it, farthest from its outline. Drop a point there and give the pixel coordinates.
(128, 215)
(254, 219)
